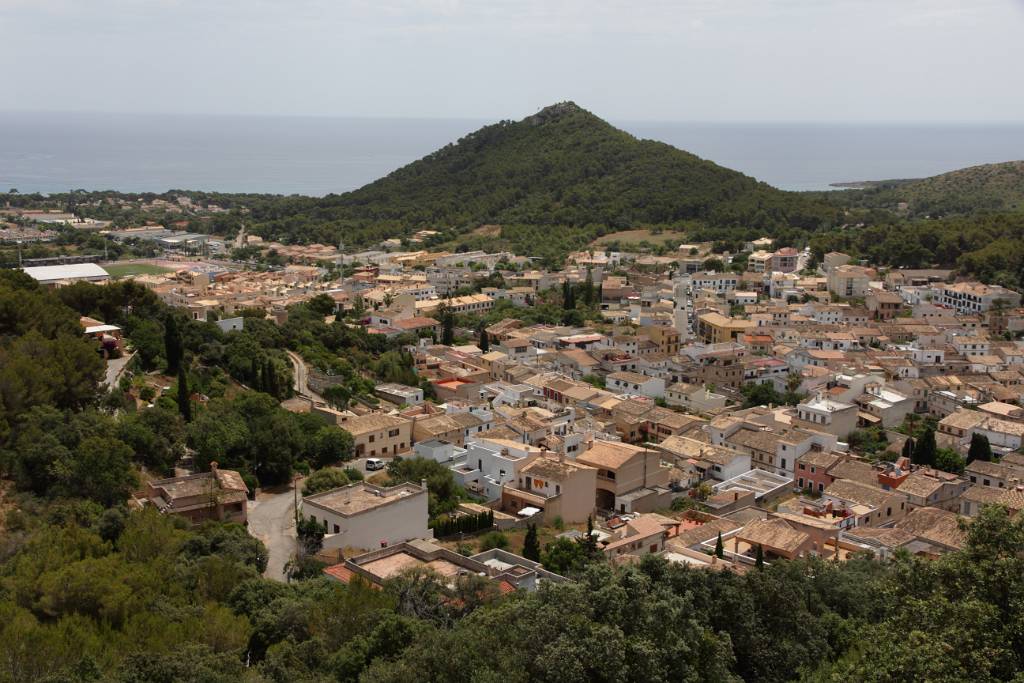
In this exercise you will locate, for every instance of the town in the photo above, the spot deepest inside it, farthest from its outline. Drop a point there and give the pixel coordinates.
(722, 411)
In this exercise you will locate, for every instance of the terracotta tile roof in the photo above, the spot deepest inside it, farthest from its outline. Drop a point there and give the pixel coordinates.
(775, 534)
(935, 526)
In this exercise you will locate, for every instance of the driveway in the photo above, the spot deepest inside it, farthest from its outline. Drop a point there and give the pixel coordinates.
(272, 520)
(114, 369)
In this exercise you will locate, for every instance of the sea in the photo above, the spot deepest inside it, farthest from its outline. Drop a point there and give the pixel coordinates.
(56, 152)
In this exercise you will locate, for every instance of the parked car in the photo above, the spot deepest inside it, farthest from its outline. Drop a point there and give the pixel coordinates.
(374, 464)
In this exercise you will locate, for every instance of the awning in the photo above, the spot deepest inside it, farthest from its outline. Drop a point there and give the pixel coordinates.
(868, 417)
(528, 512)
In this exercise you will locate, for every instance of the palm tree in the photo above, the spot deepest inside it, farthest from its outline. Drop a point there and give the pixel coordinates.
(911, 421)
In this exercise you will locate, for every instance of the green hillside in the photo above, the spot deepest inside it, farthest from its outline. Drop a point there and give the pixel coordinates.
(989, 187)
(563, 167)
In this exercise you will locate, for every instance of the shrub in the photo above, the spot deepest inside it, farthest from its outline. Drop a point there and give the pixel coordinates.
(493, 539)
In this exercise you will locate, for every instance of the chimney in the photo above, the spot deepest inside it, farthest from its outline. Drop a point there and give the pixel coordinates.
(423, 483)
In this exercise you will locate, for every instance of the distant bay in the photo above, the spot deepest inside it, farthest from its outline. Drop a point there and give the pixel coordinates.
(54, 152)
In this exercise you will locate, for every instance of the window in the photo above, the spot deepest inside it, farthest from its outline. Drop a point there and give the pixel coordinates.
(393, 432)
(337, 529)
(372, 438)
(801, 482)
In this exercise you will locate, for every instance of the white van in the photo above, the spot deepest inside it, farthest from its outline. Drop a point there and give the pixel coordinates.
(374, 464)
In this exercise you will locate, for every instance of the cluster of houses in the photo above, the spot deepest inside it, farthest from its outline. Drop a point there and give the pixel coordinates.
(638, 420)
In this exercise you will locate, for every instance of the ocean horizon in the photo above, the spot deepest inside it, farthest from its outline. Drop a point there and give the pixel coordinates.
(55, 152)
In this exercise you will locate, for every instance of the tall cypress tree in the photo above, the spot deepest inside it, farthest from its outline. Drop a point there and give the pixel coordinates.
(184, 404)
(531, 544)
(925, 450)
(255, 379)
(719, 546)
(448, 329)
(569, 299)
(980, 449)
(588, 288)
(270, 378)
(172, 345)
(759, 561)
(485, 342)
(589, 541)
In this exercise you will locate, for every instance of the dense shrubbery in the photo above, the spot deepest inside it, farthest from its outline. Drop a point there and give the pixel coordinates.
(462, 524)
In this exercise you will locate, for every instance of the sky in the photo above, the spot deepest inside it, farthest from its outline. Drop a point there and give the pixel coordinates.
(637, 60)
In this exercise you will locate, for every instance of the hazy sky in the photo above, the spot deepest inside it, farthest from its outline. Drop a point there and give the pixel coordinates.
(682, 60)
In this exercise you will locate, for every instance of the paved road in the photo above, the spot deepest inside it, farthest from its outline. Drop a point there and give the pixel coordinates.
(300, 378)
(114, 369)
(272, 520)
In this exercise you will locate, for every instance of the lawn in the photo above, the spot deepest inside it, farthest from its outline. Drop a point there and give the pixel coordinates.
(119, 270)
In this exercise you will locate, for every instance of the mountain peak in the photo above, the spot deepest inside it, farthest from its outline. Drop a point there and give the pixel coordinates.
(557, 111)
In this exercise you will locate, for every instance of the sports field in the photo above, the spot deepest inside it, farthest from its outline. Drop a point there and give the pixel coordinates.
(119, 270)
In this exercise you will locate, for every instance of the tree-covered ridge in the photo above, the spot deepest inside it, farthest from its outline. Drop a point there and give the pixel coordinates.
(560, 167)
(987, 246)
(989, 187)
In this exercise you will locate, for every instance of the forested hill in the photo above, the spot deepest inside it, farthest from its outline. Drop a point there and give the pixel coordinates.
(996, 187)
(560, 167)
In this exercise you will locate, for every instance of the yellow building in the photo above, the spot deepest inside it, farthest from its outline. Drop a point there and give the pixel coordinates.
(715, 328)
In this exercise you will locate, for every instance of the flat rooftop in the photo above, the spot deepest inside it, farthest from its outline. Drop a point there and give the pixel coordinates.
(357, 498)
(759, 482)
(392, 565)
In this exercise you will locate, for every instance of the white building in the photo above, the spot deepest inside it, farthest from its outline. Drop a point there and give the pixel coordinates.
(634, 383)
(699, 399)
(55, 276)
(366, 516)
(973, 297)
(829, 416)
(399, 393)
(492, 463)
